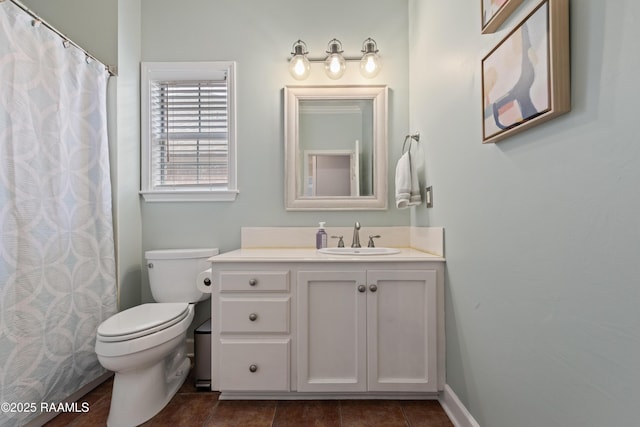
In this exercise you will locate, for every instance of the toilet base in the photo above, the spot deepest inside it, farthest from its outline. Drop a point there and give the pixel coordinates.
(140, 394)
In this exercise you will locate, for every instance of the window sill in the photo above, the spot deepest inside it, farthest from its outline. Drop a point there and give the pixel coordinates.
(190, 196)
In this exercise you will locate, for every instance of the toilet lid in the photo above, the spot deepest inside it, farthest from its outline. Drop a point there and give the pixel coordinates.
(142, 320)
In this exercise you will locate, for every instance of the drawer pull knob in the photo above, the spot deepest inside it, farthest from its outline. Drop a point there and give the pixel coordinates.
(373, 288)
(253, 282)
(253, 368)
(362, 288)
(253, 317)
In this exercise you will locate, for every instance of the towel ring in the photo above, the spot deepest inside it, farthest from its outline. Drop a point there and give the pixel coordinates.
(415, 137)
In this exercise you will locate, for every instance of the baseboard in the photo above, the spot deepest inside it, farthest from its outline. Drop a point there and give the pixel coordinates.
(294, 395)
(457, 412)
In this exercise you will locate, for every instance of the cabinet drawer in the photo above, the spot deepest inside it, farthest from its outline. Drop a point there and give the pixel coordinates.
(254, 365)
(254, 281)
(245, 315)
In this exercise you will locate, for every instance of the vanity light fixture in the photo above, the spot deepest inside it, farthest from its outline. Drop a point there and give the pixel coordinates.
(335, 62)
(299, 66)
(370, 62)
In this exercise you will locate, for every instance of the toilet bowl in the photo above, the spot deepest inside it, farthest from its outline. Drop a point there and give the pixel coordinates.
(145, 346)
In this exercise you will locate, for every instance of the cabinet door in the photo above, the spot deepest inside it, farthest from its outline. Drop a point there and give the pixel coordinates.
(331, 320)
(401, 330)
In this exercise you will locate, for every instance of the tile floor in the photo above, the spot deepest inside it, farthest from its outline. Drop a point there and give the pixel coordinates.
(193, 407)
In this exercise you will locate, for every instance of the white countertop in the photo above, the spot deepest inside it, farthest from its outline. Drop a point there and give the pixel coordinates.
(312, 255)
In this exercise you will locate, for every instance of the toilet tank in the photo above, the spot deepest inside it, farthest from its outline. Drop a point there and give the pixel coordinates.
(173, 273)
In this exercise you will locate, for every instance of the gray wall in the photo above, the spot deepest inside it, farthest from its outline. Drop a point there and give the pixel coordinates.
(259, 36)
(542, 229)
(126, 167)
(90, 23)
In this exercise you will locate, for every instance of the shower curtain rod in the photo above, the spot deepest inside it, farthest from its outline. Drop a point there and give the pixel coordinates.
(112, 69)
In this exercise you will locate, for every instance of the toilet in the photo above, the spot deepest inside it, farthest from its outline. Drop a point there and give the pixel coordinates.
(145, 346)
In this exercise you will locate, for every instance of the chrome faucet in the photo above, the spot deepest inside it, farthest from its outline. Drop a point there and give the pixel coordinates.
(355, 243)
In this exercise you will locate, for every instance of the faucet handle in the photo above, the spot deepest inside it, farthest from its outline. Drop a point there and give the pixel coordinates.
(340, 241)
(371, 244)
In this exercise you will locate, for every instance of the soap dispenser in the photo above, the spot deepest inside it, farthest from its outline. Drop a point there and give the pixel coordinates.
(321, 237)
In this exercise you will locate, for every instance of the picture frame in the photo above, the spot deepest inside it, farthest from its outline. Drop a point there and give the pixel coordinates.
(526, 76)
(495, 12)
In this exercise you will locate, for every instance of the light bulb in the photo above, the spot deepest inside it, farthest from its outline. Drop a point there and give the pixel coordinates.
(299, 66)
(370, 63)
(335, 65)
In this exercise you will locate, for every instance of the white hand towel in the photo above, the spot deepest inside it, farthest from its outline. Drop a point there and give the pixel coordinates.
(407, 187)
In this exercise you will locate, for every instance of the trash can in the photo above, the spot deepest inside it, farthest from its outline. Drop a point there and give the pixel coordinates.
(202, 350)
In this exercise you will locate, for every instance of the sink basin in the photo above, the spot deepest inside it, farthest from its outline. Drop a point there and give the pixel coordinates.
(359, 251)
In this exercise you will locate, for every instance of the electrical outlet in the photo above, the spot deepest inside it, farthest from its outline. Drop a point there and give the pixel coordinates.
(428, 196)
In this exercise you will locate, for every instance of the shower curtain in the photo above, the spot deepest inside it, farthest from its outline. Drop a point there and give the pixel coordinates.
(57, 263)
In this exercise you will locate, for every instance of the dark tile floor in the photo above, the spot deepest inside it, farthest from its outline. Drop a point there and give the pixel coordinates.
(193, 407)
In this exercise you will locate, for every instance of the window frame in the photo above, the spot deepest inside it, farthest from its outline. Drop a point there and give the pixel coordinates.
(151, 72)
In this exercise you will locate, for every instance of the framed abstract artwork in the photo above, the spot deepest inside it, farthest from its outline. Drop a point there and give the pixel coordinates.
(495, 12)
(526, 77)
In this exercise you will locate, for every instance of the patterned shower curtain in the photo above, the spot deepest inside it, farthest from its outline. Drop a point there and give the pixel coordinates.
(57, 264)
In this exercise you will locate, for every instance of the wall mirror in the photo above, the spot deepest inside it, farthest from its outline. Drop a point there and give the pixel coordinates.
(335, 147)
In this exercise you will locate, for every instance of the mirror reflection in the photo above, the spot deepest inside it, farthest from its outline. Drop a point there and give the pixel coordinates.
(335, 147)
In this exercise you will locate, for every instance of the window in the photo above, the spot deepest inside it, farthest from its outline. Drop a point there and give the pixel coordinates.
(188, 131)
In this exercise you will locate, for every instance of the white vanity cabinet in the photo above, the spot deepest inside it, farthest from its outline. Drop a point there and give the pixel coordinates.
(367, 330)
(296, 324)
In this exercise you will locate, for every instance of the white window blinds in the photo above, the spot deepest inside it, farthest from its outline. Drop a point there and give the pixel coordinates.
(190, 138)
(190, 133)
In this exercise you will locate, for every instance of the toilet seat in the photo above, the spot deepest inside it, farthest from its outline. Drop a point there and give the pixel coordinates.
(141, 320)
(124, 345)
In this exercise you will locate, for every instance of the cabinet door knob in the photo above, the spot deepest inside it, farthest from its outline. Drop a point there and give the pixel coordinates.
(373, 288)
(253, 317)
(362, 288)
(253, 368)
(253, 282)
